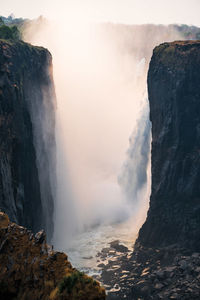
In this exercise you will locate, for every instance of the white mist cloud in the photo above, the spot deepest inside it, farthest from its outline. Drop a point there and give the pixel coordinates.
(100, 79)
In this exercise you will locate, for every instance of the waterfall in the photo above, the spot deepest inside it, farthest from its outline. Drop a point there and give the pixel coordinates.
(100, 76)
(41, 102)
(133, 177)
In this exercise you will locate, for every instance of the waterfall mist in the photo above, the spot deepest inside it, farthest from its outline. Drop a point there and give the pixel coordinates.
(40, 99)
(100, 75)
(134, 175)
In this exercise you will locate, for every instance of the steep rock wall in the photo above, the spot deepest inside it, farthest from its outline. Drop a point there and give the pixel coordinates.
(27, 145)
(174, 96)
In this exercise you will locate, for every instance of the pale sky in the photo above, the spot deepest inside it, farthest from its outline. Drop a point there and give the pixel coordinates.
(120, 11)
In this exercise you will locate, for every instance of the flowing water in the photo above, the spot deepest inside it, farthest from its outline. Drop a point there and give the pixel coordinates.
(84, 248)
(102, 132)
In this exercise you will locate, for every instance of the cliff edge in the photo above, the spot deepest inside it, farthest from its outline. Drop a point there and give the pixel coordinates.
(27, 142)
(174, 97)
(165, 263)
(30, 269)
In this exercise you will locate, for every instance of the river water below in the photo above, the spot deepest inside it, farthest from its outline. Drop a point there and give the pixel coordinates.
(83, 251)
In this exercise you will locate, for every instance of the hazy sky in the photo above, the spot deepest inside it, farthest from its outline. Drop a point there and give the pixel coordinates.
(123, 11)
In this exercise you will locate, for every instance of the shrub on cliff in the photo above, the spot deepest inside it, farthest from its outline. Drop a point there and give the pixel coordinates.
(9, 33)
(70, 281)
(73, 285)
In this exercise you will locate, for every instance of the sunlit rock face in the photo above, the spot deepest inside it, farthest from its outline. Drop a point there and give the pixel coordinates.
(26, 135)
(30, 269)
(174, 97)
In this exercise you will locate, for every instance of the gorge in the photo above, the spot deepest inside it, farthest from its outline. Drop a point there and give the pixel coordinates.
(102, 129)
(87, 193)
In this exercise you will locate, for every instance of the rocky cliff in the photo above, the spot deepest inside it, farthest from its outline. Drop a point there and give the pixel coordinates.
(165, 263)
(26, 135)
(31, 270)
(174, 97)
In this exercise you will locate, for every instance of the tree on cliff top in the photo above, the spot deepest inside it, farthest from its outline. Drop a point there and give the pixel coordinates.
(9, 33)
(1, 21)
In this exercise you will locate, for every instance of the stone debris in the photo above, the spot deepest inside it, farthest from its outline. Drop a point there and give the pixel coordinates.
(165, 273)
(120, 248)
(40, 237)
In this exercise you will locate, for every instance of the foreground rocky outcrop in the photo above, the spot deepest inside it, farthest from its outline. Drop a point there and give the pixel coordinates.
(30, 269)
(27, 143)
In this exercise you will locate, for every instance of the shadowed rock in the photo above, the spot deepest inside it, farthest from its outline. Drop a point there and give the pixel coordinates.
(174, 97)
(27, 142)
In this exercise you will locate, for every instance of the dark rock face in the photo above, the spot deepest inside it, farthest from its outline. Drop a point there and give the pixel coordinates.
(174, 96)
(165, 263)
(26, 135)
(153, 273)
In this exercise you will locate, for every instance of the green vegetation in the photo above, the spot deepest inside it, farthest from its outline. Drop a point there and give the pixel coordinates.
(1, 21)
(8, 32)
(69, 282)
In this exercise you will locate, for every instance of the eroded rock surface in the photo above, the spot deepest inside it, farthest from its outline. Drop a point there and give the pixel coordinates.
(27, 142)
(165, 263)
(30, 269)
(174, 97)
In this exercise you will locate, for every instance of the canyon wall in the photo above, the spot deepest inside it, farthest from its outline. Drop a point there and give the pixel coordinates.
(174, 97)
(27, 145)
